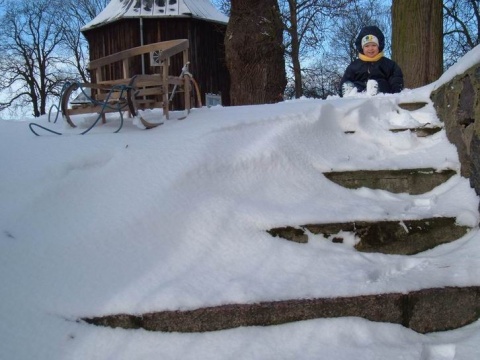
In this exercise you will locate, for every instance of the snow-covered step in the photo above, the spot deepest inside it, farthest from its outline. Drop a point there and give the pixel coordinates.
(424, 311)
(419, 131)
(402, 237)
(423, 131)
(412, 181)
(412, 106)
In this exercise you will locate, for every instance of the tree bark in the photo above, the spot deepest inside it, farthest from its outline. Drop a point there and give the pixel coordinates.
(417, 40)
(255, 53)
(295, 49)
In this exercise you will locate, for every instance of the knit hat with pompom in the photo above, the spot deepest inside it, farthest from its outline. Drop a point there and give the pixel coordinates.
(367, 39)
(367, 31)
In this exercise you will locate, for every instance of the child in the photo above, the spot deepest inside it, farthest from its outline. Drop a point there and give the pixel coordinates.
(371, 72)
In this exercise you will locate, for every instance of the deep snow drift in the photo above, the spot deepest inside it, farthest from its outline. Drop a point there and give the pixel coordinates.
(175, 218)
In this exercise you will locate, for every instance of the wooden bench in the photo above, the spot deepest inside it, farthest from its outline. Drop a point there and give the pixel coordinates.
(132, 92)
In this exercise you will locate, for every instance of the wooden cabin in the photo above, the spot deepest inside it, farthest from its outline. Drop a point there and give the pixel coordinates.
(125, 24)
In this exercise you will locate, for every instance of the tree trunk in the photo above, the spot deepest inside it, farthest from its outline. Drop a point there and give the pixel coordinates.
(295, 49)
(417, 40)
(255, 53)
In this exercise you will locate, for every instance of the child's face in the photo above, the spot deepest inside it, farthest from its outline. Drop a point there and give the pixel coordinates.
(371, 50)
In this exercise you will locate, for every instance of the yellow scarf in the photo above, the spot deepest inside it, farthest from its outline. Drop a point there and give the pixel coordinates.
(366, 58)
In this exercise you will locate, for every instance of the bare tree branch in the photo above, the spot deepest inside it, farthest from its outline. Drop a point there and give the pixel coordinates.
(41, 47)
(29, 64)
(461, 28)
(304, 23)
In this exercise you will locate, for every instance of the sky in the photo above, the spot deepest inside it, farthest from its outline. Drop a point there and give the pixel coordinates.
(175, 218)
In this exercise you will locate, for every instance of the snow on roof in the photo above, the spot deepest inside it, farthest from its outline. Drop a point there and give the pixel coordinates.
(118, 9)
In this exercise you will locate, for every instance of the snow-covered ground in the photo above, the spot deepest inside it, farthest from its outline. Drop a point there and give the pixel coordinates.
(175, 218)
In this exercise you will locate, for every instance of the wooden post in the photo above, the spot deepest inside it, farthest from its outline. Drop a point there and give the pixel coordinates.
(186, 84)
(165, 87)
(125, 68)
(98, 75)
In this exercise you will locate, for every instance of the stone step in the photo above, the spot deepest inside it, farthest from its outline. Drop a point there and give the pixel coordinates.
(412, 181)
(411, 106)
(419, 131)
(424, 131)
(401, 237)
(424, 311)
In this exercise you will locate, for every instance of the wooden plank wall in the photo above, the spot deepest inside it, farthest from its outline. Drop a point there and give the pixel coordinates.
(207, 51)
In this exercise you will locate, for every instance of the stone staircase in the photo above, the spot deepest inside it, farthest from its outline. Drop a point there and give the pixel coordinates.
(411, 181)
(401, 237)
(427, 310)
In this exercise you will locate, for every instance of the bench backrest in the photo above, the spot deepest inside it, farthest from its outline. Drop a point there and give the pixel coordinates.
(167, 49)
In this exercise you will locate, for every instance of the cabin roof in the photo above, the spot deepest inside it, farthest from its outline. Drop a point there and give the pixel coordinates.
(120, 9)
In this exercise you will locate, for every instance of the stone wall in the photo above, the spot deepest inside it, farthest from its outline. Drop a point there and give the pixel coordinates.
(458, 105)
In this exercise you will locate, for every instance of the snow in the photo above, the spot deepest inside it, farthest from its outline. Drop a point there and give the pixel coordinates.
(175, 218)
(119, 9)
